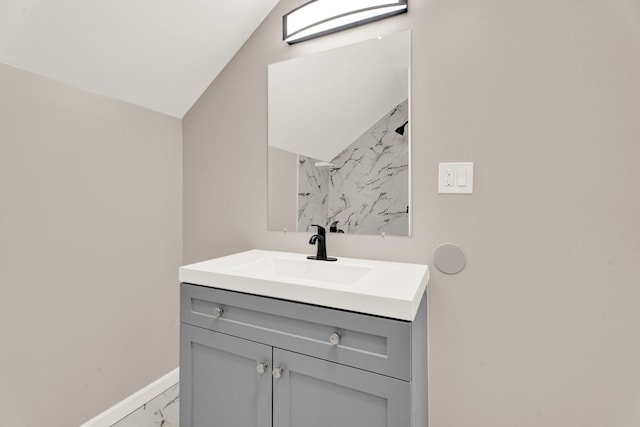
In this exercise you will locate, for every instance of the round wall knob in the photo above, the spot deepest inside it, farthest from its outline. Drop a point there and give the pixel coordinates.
(277, 373)
(261, 368)
(334, 338)
(217, 312)
(449, 258)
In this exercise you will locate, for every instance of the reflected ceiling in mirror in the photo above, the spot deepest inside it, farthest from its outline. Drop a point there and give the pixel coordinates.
(339, 139)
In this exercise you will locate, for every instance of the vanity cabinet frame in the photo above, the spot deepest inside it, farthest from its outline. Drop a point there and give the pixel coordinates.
(378, 361)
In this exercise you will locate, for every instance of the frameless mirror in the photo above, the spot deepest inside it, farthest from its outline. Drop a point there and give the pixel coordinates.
(339, 139)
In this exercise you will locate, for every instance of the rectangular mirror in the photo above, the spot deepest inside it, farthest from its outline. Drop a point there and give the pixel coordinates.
(339, 139)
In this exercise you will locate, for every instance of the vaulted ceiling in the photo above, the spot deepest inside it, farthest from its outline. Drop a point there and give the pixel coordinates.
(159, 54)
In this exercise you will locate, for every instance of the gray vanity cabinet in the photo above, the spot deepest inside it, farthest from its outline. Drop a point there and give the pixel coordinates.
(247, 360)
(223, 387)
(317, 393)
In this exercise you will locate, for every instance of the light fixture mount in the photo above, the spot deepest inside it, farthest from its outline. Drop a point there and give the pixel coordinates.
(321, 17)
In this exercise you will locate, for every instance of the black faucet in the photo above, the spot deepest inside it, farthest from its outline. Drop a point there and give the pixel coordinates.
(333, 228)
(321, 240)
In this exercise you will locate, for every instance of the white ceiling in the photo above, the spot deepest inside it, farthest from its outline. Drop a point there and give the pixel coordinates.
(159, 54)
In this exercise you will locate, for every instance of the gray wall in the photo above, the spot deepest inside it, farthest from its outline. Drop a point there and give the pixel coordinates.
(541, 327)
(90, 241)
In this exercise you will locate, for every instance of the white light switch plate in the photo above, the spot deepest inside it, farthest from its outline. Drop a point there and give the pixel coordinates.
(455, 178)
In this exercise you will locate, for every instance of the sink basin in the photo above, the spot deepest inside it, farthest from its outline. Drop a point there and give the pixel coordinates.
(305, 269)
(382, 288)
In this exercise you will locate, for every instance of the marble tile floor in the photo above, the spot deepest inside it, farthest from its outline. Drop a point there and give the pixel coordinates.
(162, 411)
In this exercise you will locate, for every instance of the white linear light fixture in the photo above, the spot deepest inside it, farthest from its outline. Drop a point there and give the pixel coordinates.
(320, 17)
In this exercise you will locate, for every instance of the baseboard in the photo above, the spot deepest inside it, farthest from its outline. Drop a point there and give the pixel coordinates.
(135, 401)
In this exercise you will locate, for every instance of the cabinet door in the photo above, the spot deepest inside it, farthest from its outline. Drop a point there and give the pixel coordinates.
(315, 393)
(220, 385)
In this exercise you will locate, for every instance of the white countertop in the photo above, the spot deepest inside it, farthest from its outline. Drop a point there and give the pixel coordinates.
(382, 288)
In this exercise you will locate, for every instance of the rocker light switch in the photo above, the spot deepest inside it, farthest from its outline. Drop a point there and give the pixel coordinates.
(462, 177)
(455, 178)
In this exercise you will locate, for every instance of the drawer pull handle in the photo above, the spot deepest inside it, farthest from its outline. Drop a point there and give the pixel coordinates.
(277, 373)
(261, 368)
(217, 312)
(334, 338)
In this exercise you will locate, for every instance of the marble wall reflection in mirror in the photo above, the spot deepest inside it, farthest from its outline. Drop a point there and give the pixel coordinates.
(339, 139)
